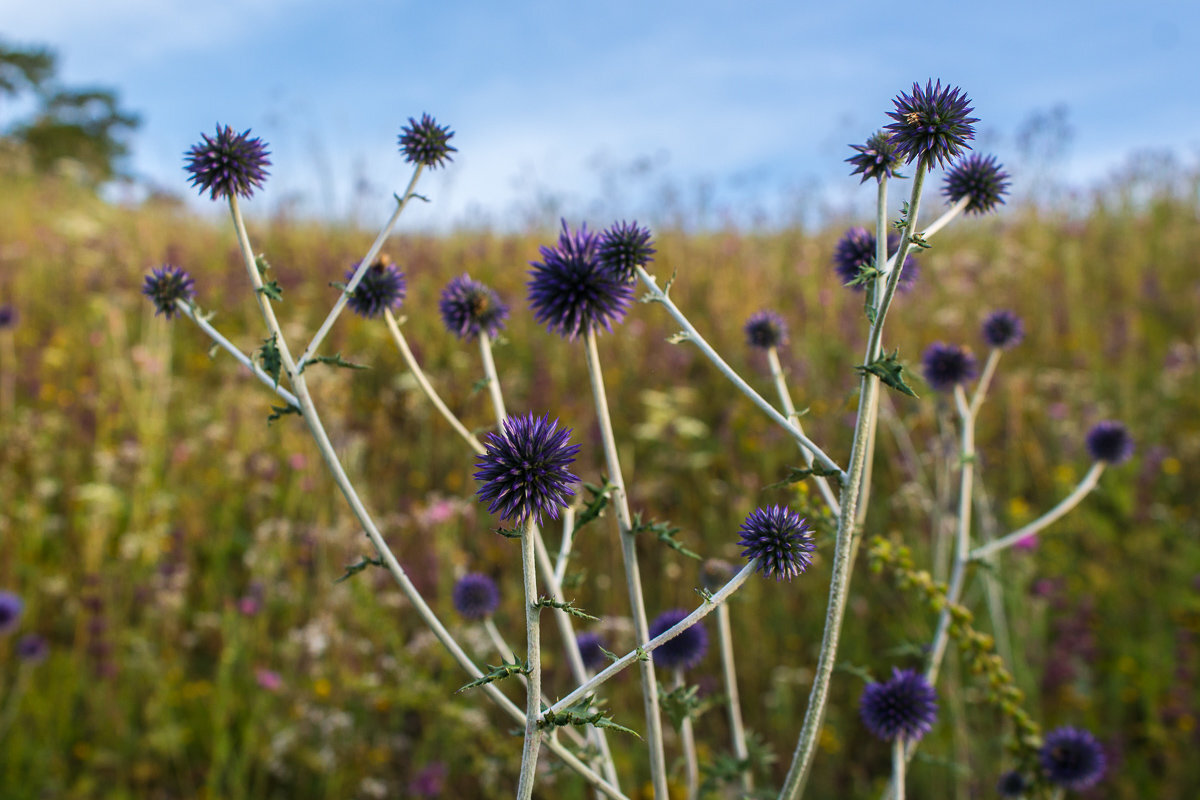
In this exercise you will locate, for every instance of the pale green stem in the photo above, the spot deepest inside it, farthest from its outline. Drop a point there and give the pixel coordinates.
(633, 578)
(1053, 515)
(806, 746)
(363, 266)
(390, 563)
(785, 402)
(426, 387)
(533, 666)
(732, 702)
(947, 216)
(564, 546)
(898, 762)
(489, 371)
(687, 738)
(690, 334)
(707, 607)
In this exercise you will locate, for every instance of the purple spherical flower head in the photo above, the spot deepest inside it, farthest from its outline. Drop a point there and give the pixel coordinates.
(979, 179)
(524, 470)
(1012, 784)
(8, 316)
(876, 159)
(932, 124)
(476, 596)
(624, 247)
(10, 612)
(1109, 441)
(469, 307)
(1072, 758)
(905, 706)
(228, 164)
(766, 329)
(167, 284)
(856, 249)
(590, 645)
(1003, 329)
(572, 291)
(946, 366)
(685, 650)
(382, 286)
(780, 540)
(33, 649)
(426, 142)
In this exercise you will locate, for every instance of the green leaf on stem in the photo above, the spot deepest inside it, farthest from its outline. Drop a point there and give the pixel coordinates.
(270, 359)
(611, 656)
(271, 289)
(665, 532)
(798, 474)
(578, 715)
(889, 370)
(278, 412)
(362, 564)
(567, 606)
(595, 507)
(508, 533)
(260, 262)
(334, 360)
(497, 673)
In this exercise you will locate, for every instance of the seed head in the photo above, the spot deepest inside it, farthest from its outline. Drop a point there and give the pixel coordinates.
(685, 650)
(1109, 441)
(1003, 329)
(165, 286)
(476, 596)
(905, 706)
(946, 366)
(524, 469)
(932, 124)
(228, 164)
(766, 329)
(469, 307)
(572, 291)
(624, 247)
(382, 286)
(876, 159)
(780, 540)
(426, 142)
(10, 612)
(856, 249)
(1072, 758)
(978, 178)
(589, 649)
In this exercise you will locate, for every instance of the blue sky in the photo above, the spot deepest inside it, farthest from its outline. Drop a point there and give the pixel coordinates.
(616, 108)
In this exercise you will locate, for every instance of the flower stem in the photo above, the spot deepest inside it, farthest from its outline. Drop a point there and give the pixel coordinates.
(898, 762)
(687, 737)
(533, 664)
(732, 702)
(633, 578)
(1070, 501)
(489, 371)
(785, 401)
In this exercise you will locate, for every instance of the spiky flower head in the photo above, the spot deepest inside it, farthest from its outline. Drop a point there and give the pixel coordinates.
(165, 286)
(1072, 758)
(856, 249)
(590, 651)
(904, 706)
(946, 366)
(524, 469)
(1012, 784)
(469, 307)
(1109, 441)
(624, 247)
(572, 291)
(1003, 329)
(979, 179)
(8, 316)
(10, 612)
(33, 648)
(780, 540)
(382, 286)
(685, 650)
(228, 164)
(426, 142)
(766, 329)
(932, 124)
(876, 159)
(476, 596)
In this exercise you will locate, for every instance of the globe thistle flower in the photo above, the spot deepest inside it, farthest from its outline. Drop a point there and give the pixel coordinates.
(685, 650)
(932, 124)
(946, 366)
(8, 316)
(426, 142)
(978, 178)
(382, 286)
(856, 249)
(780, 540)
(476, 596)
(876, 159)
(1012, 784)
(166, 285)
(590, 645)
(572, 291)
(228, 164)
(524, 469)
(1109, 441)
(905, 706)
(1003, 329)
(1072, 758)
(469, 307)
(766, 329)
(624, 247)
(11, 607)
(33, 649)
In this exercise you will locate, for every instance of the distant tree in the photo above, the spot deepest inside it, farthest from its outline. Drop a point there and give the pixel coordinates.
(84, 125)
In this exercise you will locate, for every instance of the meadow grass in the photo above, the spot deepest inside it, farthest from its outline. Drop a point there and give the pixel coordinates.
(180, 553)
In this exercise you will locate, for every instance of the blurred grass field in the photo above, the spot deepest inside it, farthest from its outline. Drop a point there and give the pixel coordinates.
(180, 554)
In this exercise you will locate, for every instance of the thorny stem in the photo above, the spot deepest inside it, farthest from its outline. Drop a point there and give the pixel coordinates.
(633, 578)
(729, 673)
(490, 375)
(533, 664)
(785, 401)
(898, 762)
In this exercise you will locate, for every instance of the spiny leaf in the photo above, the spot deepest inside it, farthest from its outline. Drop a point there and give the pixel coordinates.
(271, 289)
(277, 412)
(363, 563)
(497, 673)
(797, 474)
(889, 370)
(508, 533)
(334, 360)
(260, 262)
(270, 360)
(681, 336)
(665, 532)
(567, 606)
(918, 240)
(611, 656)
(596, 719)
(595, 507)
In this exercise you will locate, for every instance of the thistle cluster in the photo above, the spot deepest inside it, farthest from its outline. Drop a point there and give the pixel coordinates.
(524, 469)
(766, 329)
(426, 143)
(469, 308)
(573, 291)
(382, 286)
(684, 651)
(905, 706)
(167, 286)
(946, 366)
(228, 164)
(476, 596)
(856, 249)
(780, 542)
